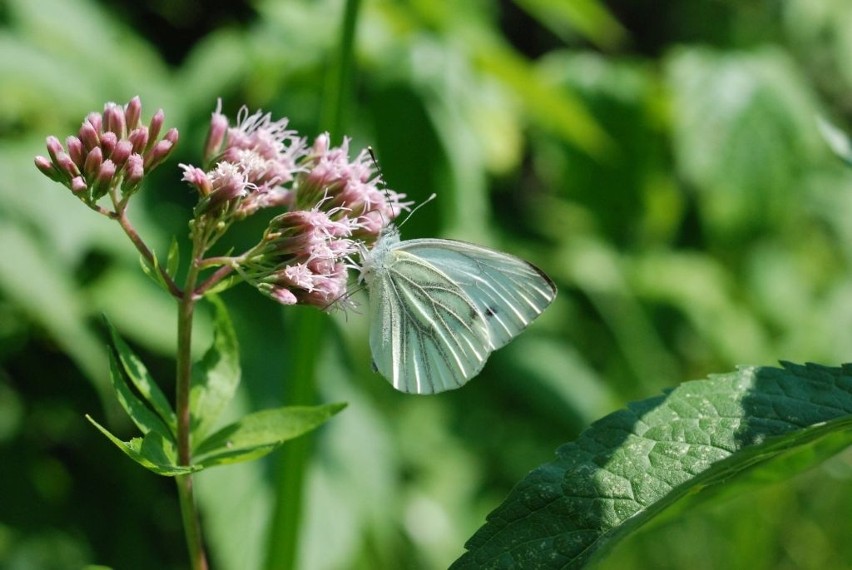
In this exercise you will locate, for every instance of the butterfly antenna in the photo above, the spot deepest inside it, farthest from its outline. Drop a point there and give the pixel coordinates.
(387, 195)
(382, 182)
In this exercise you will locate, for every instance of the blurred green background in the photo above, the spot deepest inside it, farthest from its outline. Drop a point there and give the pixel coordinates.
(660, 160)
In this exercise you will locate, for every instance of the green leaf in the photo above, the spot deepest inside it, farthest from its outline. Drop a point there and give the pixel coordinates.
(257, 434)
(152, 452)
(144, 418)
(589, 17)
(152, 270)
(665, 452)
(216, 377)
(173, 258)
(143, 382)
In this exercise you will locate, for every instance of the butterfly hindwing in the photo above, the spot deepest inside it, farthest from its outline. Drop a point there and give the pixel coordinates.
(508, 291)
(426, 334)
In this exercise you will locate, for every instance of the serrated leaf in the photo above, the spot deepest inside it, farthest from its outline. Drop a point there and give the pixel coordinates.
(259, 433)
(173, 257)
(152, 452)
(216, 377)
(142, 380)
(632, 465)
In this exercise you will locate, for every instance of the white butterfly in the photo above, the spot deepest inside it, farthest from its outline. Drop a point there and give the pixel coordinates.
(439, 308)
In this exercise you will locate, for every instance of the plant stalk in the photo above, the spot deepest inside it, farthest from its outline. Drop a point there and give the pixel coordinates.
(186, 310)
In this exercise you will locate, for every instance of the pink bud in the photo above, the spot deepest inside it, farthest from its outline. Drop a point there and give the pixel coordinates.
(215, 136)
(54, 147)
(64, 163)
(108, 142)
(283, 296)
(46, 167)
(75, 150)
(158, 154)
(93, 163)
(172, 136)
(96, 121)
(156, 125)
(132, 112)
(78, 185)
(123, 149)
(106, 173)
(139, 138)
(89, 135)
(114, 119)
(134, 170)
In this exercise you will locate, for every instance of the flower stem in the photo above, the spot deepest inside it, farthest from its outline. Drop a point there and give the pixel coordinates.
(131, 232)
(186, 309)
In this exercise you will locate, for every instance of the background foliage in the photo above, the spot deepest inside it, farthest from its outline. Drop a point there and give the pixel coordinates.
(660, 160)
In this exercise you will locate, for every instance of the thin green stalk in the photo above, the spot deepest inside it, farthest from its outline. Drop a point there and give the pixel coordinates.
(338, 88)
(186, 309)
(306, 330)
(306, 333)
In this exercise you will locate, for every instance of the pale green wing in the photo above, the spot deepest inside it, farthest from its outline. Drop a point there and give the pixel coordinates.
(508, 291)
(426, 334)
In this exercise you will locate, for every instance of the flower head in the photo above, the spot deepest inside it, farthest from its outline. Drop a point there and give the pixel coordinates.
(113, 150)
(303, 258)
(351, 187)
(263, 151)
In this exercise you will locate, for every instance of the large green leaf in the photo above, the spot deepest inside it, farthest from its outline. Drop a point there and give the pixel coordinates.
(257, 434)
(660, 453)
(216, 377)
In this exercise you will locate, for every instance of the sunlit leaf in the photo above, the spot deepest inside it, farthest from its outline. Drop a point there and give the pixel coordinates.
(257, 434)
(216, 377)
(152, 452)
(630, 466)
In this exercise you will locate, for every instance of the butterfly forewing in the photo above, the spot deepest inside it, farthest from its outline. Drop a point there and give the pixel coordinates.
(508, 291)
(426, 333)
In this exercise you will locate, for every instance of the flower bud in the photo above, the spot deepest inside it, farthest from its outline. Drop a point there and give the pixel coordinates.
(46, 167)
(93, 163)
(114, 120)
(78, 185)
(75, 150)
(132, 113)
(104, 179)
(89, 135)
(156, 125)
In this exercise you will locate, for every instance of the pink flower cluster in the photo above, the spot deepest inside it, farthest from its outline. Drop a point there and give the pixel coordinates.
(334, 205)
(112, 150)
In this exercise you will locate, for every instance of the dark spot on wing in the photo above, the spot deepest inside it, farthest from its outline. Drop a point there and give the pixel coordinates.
(373, 365)
(490, 312)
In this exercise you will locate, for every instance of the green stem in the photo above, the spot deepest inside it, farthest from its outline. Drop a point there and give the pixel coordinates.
(306, 332)
(124, 222)
(339, 80)
(186, 309)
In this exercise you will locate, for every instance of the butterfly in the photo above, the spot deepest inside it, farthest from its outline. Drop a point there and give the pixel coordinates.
(439, 308)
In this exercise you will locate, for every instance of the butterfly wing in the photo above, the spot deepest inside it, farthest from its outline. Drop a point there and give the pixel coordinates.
(508, 291)
(426, 334)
